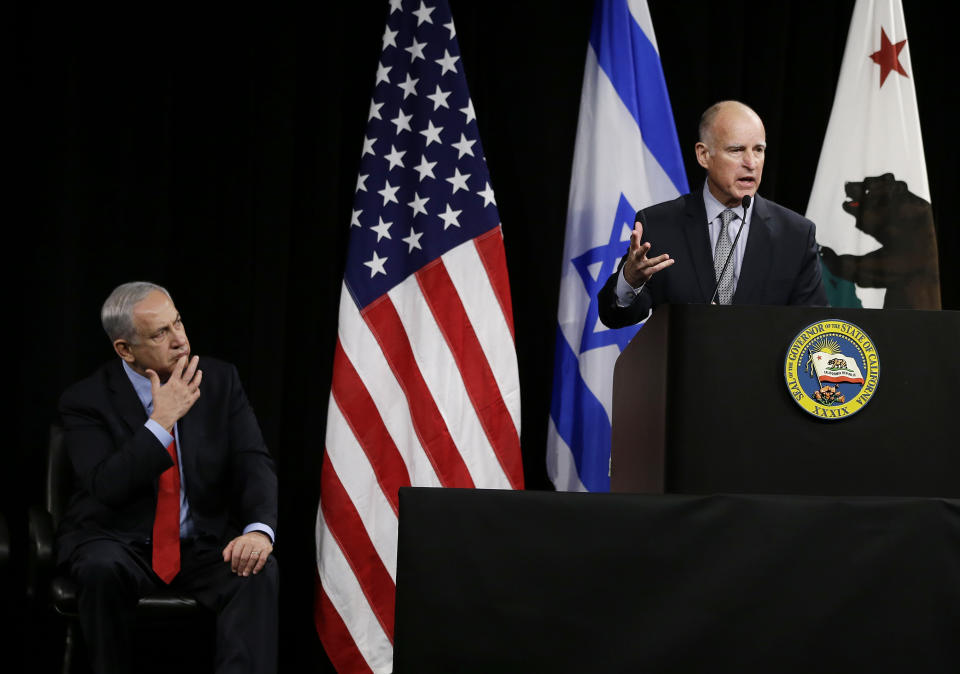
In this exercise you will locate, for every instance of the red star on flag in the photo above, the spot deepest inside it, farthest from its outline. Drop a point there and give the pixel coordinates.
(888, 57)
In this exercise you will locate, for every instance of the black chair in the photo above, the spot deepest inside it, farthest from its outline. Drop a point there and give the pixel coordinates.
(54, 591)
(6, 610)
(4, 544)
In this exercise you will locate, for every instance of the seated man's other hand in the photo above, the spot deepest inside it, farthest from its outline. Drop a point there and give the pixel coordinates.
(248, 553)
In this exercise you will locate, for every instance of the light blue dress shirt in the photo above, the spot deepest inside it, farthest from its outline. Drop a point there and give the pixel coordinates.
(145, 393)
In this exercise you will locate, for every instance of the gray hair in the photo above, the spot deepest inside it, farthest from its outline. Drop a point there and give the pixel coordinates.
(116, 315)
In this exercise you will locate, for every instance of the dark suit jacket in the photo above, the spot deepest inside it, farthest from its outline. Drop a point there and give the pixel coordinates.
(228, 472)
(780, 265)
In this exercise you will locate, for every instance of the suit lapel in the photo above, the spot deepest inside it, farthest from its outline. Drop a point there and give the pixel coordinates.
(698, 244)
(189, 429)
(756, 257)
(124, 397)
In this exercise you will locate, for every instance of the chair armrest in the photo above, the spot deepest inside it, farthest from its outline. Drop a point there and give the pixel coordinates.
(39, 552)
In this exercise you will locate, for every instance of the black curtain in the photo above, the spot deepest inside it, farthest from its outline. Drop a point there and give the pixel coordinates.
(215, 151)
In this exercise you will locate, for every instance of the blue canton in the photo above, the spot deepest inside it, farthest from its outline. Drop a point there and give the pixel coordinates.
(423, 186)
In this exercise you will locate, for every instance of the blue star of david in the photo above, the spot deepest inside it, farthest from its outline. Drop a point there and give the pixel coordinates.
(608, 255)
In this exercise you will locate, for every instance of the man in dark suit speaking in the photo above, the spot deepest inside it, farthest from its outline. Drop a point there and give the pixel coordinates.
(174, 487)
(688, 250)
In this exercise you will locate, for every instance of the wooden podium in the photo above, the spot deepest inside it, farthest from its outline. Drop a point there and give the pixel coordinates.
(700, 406)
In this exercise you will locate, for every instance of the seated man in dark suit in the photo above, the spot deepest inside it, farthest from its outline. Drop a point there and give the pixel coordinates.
(679, 248)
(174, 487)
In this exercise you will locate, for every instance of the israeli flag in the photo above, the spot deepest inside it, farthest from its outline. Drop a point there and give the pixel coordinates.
(627, 157)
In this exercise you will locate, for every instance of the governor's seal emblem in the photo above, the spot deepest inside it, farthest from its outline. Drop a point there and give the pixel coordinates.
(832, 369)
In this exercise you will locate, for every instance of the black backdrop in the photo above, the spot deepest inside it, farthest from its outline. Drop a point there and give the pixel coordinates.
(215, 151)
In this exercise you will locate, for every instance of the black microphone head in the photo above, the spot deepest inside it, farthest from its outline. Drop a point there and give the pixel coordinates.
(745, 202)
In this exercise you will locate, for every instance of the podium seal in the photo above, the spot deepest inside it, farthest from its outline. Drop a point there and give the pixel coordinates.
(832, 369)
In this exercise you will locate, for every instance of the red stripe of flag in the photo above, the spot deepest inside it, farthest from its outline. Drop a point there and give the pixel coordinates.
(364, 419)
(841, 378)
(490, 248)
(448, 311)
(337, 642)
(384, 321)
(347, 529)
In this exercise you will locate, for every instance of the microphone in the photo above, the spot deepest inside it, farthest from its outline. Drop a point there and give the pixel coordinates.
(745, 202)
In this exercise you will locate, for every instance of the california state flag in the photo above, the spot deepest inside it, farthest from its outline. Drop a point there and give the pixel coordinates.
(836, 368)
(870, 199)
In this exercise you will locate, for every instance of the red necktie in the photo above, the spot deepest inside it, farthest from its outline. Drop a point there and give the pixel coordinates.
(166, 524)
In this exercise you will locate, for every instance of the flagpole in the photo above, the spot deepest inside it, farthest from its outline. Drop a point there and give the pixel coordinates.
(810, 360)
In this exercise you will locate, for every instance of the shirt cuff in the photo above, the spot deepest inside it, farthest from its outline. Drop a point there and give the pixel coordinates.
(160, 432)
(261, 527)
(626, 293)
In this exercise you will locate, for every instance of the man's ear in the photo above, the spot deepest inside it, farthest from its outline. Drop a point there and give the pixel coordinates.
(122, 347)
(703, 154)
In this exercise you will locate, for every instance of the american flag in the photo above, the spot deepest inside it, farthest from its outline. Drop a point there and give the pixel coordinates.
(425, 388)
